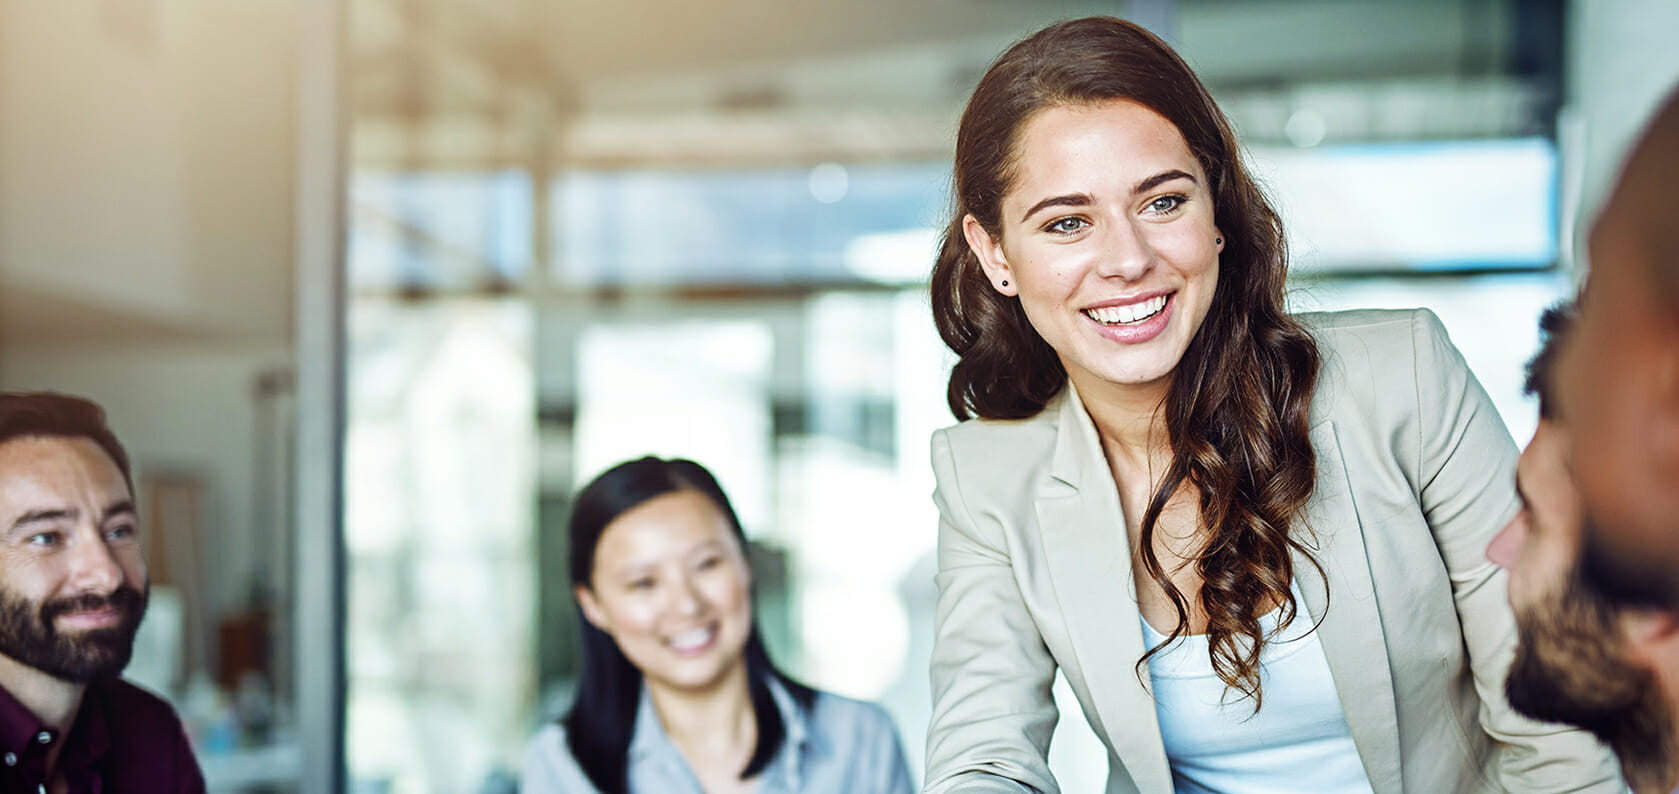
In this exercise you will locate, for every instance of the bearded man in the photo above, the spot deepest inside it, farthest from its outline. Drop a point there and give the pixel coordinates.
(72, 592)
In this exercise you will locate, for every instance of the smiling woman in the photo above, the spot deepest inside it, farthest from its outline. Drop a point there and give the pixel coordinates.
(1250, 540)
(678, 694)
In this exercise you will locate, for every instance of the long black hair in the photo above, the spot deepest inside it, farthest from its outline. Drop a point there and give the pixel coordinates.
(602, 717)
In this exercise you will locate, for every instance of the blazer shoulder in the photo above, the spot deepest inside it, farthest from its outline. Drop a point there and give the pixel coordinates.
(1372, 357)
(971, 451)
(1031, 437)
(1371, 331)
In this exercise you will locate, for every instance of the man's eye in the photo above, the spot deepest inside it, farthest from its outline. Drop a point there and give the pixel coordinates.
(122, 532)
(641, 584)
(43, 539)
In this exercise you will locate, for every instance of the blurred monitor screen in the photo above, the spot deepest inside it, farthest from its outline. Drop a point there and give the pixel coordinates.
(1420, 207)
(1369, 208)
(829, 223)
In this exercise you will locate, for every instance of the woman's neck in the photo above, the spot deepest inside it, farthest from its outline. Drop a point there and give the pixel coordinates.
(714, 722)
(1131, 422)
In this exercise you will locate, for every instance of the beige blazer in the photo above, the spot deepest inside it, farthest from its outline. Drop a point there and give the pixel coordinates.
(1415, 475)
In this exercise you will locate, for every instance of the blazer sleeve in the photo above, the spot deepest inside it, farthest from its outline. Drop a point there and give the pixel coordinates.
(1464, 463)
(993, 713)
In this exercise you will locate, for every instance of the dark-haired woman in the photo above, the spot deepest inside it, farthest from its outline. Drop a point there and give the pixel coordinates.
(677, 694)
(1251, 541)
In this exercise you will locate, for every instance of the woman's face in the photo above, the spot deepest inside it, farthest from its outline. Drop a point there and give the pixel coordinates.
(1107, 237)
(671, 587)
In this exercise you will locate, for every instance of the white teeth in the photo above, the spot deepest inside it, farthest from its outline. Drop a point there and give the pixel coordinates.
(1116, 315)
(691, 639)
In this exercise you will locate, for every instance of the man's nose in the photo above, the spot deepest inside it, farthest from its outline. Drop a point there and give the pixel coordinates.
(93, 568)
(1506, 546)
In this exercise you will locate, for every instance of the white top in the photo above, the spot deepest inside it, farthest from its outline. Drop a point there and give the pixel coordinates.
(1216, 743)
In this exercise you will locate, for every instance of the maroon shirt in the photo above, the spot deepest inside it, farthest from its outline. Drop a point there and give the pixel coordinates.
(125, 741)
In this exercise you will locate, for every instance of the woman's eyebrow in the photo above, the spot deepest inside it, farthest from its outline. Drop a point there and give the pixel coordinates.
(1069, 200)
(1161, 178)
(1085, 200)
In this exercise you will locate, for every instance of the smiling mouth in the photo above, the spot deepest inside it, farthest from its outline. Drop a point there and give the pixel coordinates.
(1129, 314)
(693, 639)
(92, 618)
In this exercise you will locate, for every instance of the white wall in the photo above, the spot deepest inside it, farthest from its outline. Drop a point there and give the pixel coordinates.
(183, 409)
(146, 152)
(1622, 62)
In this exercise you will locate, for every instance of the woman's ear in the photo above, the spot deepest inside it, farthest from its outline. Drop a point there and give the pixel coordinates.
(1218, 239)
(591, 608)
(989, 252)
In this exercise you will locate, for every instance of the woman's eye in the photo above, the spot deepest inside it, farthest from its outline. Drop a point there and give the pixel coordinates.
(710, 562)
(121, 532)
(1067, 225)
(1166, 204)
(641, 584)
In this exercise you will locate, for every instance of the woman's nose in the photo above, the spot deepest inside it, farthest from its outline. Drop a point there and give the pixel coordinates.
(688, 599)
(1125, 252)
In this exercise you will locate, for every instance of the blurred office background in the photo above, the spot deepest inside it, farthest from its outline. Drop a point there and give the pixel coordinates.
(370, 286)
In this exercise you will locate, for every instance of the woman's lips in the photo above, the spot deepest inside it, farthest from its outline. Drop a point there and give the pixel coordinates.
(1144, 323)
(693, 641)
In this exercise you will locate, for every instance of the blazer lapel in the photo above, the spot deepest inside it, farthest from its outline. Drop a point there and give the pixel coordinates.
(1085, 543)
(1351, 631)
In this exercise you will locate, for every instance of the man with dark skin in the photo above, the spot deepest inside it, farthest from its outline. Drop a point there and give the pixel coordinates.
(1618, 389)
(72, 593)
(1595, 571)
(1618, 377)
(1572, 664)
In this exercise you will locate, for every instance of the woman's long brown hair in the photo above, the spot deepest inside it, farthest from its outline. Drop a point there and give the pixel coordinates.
(1237, 411)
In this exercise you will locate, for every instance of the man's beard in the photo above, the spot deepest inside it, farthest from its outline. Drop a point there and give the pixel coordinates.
(1624, 578)
(1570, 668)
(28, 636)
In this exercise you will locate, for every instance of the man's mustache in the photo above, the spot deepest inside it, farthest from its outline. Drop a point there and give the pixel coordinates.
(125, 600)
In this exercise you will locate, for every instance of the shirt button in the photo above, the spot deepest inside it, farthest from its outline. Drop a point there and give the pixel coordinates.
(11, 759)
(43, 737)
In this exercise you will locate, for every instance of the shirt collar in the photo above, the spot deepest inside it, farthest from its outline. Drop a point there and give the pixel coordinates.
(20, 730)
(90, 738)
(18, 725)
(650, 740)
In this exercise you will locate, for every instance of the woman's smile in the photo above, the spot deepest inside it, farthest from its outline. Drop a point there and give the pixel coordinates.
(1135, 322)
(1108, 241)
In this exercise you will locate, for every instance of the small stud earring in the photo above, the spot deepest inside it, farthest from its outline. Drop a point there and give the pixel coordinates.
(1218, 241)
(1005, 282)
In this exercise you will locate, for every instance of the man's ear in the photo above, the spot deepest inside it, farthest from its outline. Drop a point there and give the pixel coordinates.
(989, 251)
(1651, 635)
(591, 608)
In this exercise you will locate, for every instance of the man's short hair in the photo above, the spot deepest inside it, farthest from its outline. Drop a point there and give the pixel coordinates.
(1553, 326)
(53, 415)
